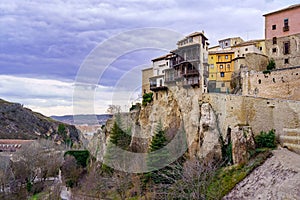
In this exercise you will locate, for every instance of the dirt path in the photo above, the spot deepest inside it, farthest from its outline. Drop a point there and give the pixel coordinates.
(277, 178)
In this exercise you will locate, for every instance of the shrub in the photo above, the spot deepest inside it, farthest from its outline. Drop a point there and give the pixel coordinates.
(266, 72)
(135, 106)
(82, 156)
(147, 98)
(266, 139)
(271, 64)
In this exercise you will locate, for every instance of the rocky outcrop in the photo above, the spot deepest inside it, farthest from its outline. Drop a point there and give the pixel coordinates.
(209, 137)
(242, 142)
(277, 178)
(17, 122)
(179, 111)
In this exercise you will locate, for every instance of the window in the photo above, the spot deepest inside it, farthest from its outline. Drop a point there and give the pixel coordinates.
(246, 49)
(286, 24)
(157, 72)
(259, 81)
(274, 40)
(222, 74)
(260, 48)
(156, 95)
(212, 76)
(286, 47)
(286, 61)
(226, 44)
(274, 27)
(167, 63)
(221, 66)
(212, 66)
(228, 66)
(226, 57)
(274, 50)
(212, 57)
(223, 84)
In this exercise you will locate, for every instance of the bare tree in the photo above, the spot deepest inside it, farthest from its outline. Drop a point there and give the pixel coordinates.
(5, 173)
(113, 109)
(195, 180)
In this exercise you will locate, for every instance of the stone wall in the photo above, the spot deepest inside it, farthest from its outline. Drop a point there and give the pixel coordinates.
(282, 84)
(260, 113)
(278, 53)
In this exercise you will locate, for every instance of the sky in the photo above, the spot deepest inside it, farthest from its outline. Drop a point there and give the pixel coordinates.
(53, 51)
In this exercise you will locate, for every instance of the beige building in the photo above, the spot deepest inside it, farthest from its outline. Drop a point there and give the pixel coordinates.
(146, 74)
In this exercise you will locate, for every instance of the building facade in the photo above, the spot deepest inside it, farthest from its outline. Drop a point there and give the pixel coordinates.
(189, 62)
(282, 35)
(157, 80)
(146, 74)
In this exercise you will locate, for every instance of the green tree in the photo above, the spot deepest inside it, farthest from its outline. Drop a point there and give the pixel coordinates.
(118, 138)
(155, 158)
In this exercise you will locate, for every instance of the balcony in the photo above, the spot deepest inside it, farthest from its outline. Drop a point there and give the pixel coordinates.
(155, 87)
(193, 72)
(193, 82)
(286, 28)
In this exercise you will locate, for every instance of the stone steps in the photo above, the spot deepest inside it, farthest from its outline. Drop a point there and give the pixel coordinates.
(291, 139)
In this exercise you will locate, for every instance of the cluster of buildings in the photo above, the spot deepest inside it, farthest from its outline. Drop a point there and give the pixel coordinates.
(213, 69)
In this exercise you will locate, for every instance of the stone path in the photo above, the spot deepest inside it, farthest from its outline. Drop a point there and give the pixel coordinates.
(277, 178)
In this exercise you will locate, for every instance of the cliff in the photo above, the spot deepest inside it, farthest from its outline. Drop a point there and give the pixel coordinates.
(17, 122)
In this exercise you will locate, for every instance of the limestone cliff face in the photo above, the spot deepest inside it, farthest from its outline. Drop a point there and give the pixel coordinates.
(179, 108)
(209, 137)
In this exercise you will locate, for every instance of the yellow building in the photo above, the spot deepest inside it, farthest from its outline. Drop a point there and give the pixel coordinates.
(221, 67)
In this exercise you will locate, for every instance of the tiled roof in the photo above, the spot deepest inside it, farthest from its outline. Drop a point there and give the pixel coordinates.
(11, 141)
(162, 57)
(284, 9)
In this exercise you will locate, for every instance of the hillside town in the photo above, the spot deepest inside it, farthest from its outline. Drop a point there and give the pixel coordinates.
(216, 122)
(235, 66)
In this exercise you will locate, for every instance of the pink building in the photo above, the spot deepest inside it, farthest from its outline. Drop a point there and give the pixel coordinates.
(282, 35)
(282, 22)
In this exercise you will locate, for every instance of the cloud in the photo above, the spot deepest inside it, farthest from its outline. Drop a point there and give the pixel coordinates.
(52, 39)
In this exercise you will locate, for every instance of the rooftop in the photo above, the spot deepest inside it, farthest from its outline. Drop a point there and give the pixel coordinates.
(162, 57)
(250, 42)
(282, 10)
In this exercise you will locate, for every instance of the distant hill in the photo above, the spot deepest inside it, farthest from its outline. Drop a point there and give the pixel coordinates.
(83, 119)
(17, 122)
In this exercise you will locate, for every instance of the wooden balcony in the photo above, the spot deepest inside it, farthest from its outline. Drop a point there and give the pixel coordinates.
(286, 28)
(156, 88)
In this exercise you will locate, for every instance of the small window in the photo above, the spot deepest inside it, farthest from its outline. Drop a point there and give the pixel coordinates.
(260, 48)
(228, 66)
(246, 49)
(273, 80)
(285, 24)
(221, 66)
(274, 50)
(222, 74)
(226, 44)
(259, 81)
(167, 63)
(274, 27)
(212, 57)
(212, 76)
(223, 84)
(243, 55)
(274, 40)
(226, 57)
(212, 66)
(286, 47)
(156, 94)
(286, 61)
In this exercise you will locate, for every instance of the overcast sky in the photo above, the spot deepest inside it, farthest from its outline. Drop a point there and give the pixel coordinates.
(44, 43)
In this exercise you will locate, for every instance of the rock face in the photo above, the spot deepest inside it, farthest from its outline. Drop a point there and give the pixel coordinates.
(242, 141)
(209, 137)
(178, 110)
(17, 122)
(277, 178)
